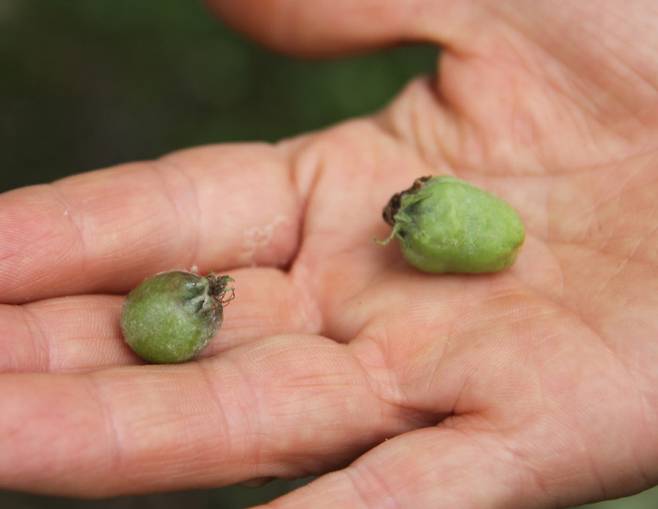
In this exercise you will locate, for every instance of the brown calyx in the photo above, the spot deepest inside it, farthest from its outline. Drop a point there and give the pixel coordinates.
(395, 202)
(219, 289)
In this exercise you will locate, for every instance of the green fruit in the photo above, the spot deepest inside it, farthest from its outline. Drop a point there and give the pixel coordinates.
(171, 316)
(444, 224)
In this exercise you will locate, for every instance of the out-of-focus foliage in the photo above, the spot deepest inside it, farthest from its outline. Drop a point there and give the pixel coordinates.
(90, 83)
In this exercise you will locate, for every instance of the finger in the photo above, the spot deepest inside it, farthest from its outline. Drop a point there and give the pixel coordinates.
(332, 27)
(103, 232)
(433, 467)
(83, 333)
(70, 333)
(277, 408)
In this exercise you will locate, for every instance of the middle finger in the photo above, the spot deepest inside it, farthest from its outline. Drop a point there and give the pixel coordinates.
(83, 333)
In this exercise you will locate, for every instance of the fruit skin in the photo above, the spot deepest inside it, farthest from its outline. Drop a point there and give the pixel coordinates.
(444, 224)
(172, 316)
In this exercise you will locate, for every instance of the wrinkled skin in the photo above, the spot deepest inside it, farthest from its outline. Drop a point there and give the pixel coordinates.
(537, 387)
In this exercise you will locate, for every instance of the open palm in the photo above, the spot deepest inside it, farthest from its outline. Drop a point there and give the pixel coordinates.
(536, 387)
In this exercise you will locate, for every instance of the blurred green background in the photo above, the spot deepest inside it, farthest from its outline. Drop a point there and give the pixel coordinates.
(90, 83)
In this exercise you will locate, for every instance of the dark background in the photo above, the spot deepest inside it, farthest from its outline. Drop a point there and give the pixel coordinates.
(91, 83)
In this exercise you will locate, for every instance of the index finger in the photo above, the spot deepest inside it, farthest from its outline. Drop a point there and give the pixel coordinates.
(214, 208)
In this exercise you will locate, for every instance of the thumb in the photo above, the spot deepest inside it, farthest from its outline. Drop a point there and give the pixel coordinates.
(332, 27)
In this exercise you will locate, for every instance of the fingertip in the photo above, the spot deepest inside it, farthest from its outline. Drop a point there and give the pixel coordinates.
(319, 28)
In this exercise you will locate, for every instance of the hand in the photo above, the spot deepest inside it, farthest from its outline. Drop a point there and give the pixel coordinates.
(534, 387)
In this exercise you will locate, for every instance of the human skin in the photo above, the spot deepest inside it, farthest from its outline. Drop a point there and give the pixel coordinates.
(536, 387)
